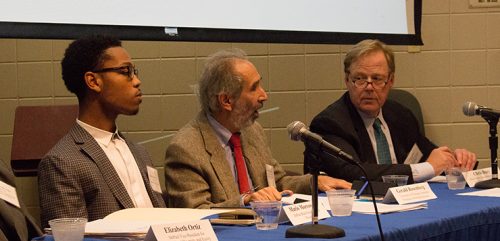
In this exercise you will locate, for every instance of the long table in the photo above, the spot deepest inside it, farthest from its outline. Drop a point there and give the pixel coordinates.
(449, 217)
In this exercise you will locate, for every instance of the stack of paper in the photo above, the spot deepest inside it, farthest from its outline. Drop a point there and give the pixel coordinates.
(135, 222)
(367, 207)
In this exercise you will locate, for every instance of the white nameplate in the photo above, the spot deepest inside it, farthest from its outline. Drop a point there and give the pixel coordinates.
(475, 176)
(186, 231)
(154, 181)
(9, 194)
(414, 156)
(302, 213)
(271, 182)
(409, 193)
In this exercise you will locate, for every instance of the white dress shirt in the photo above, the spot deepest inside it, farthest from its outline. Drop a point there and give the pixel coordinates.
(118, 153)
(420, 171)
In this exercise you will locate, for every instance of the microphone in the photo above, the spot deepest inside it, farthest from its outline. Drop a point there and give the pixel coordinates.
(299, 132)
(470, 109)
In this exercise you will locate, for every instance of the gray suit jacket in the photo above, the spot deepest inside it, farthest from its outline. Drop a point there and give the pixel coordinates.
(76, 179)
(16, 224)
(197, 174)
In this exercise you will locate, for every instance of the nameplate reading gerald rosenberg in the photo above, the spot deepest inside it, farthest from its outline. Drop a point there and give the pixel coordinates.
(301, 213)
(186, 231)
(409, 193)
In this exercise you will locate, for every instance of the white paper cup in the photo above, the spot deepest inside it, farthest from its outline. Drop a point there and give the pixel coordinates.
(400, 180)
(455, 178)
(268, 213)
(68, 229)
(341, 201)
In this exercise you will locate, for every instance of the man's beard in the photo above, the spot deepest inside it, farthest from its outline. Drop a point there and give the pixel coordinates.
(242, 116)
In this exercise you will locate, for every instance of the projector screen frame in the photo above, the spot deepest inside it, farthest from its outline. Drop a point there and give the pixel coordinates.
(73, 31)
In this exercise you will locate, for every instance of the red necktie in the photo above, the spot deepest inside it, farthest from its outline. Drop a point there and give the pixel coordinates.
(240, 163)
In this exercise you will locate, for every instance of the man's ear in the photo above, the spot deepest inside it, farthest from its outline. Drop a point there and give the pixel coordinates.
(225, 101)
(391, 80)
(93, 82)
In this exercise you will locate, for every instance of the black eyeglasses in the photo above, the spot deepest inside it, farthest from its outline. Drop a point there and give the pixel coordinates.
(129, 70)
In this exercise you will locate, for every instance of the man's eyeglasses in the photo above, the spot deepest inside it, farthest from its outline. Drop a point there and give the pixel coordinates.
(129, 70)
(378, 82)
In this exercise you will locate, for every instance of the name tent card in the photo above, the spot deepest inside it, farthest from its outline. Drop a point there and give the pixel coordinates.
(409, 193)
(199, 230)
(475, 176)
(302, 213)
(9, 194)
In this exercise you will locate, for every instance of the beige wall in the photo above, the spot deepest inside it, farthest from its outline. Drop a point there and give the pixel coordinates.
(460, 61)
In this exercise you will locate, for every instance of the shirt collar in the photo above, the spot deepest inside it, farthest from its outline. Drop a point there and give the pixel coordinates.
(223, 134)
(368, 121)
(101, 136)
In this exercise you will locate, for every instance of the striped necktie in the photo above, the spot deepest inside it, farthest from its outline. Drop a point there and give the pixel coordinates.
(383, 154)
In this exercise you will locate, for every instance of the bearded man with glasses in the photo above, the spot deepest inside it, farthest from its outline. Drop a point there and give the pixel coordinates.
(379, 133)
(94, 170)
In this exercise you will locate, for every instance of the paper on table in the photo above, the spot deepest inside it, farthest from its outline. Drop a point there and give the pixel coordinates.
(441, 179)
(291, 199)
(367, 207)
(494, 192)
(138, 220)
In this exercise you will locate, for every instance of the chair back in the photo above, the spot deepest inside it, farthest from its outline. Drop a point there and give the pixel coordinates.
(409, 101)
(36, 130)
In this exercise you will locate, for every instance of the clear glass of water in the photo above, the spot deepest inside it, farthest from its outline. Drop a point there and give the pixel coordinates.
(341, 201)
(267, 214)
(68, 229)
(455, 178)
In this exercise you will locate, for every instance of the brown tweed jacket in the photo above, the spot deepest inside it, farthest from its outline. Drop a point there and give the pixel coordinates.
(76, 179)
(16, 224)
(197, 174)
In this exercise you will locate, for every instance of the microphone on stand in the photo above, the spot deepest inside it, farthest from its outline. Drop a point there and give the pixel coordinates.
(299, 132)
(491, 116)
(471, 109)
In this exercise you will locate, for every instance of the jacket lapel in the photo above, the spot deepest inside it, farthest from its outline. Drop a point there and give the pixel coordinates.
(90, 147)
(255, 168)
(217, 157)
(144, 173)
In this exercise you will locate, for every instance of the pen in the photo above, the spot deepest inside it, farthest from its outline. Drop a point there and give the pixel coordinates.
(252, 190)
(362, 189)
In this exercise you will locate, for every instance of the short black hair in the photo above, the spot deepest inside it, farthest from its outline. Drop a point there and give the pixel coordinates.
(83, 55)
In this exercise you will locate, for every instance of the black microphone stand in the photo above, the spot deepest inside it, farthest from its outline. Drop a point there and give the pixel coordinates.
(347, 158)
(493, 139)
(314, 230)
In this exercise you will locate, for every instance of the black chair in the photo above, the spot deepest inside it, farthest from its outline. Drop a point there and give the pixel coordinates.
(408, 100)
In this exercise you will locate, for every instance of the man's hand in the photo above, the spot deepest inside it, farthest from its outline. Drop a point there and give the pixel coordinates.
(326, 183)
(441, 158)
(268, 193)
(465, 159)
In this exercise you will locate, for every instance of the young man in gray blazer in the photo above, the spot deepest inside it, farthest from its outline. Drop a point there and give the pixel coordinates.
(201, 170)
(94, 170)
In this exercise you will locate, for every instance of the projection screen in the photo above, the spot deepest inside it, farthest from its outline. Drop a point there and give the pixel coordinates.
(284, 21)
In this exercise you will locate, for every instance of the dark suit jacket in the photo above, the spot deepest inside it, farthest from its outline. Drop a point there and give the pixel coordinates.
(197, 174)
(76, 179)
(16, 224)
(341, 125)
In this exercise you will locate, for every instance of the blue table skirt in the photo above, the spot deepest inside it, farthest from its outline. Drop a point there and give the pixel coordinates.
(449, 217)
